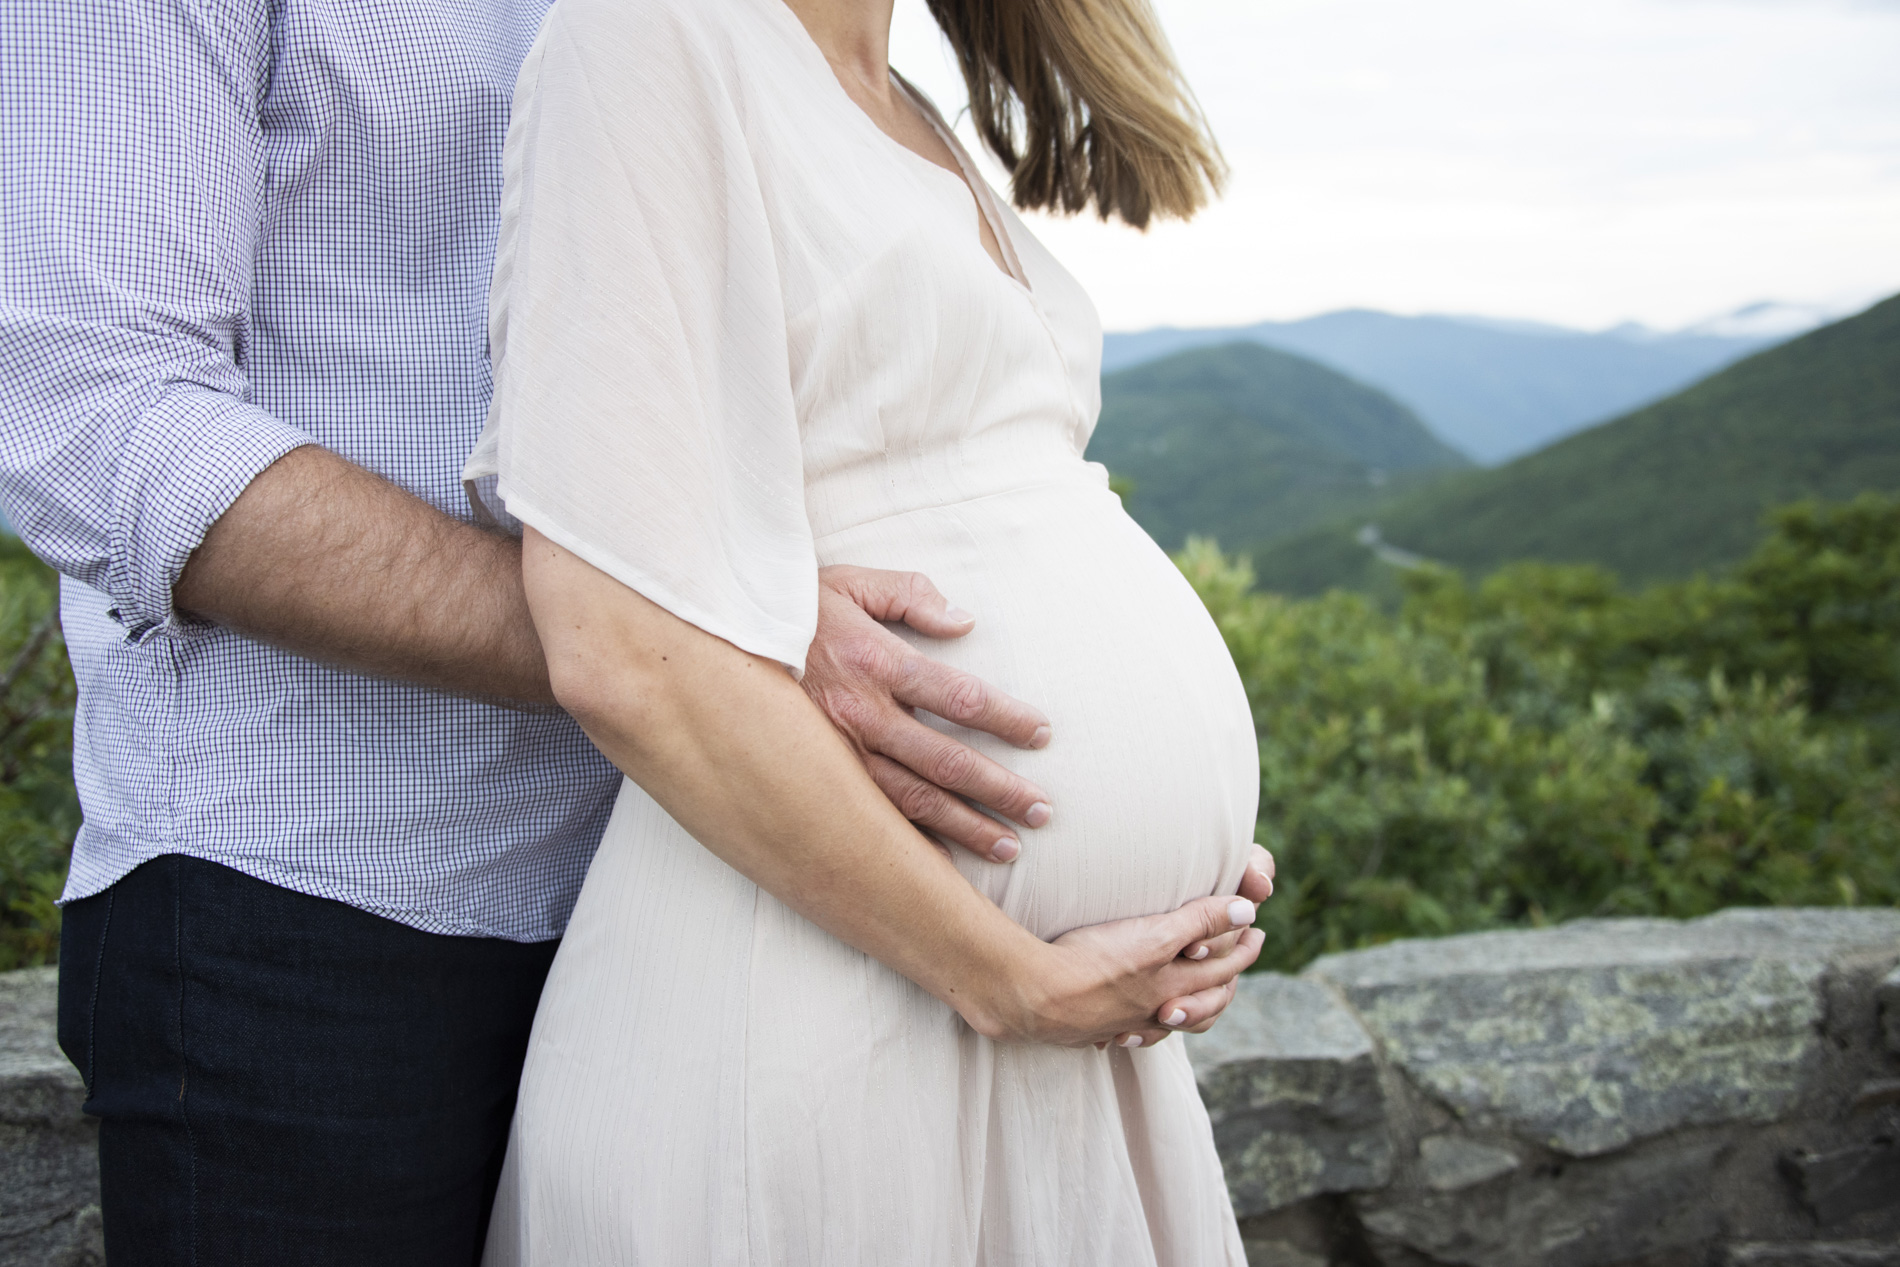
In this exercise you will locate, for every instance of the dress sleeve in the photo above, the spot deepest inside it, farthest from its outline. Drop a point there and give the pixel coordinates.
(643, 414)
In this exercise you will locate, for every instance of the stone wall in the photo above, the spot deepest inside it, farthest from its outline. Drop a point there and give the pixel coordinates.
(49, 1172)
(1612, 1093)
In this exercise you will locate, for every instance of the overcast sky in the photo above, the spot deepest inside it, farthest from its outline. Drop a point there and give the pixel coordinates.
(1584, 162)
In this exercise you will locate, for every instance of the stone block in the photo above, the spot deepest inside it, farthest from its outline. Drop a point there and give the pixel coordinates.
(1889, 996)
(1281, 1254)
(1637, 1205)
(49, 1166)
(1839, 1184)
(1812, 1254)
(1448, 1163)
(1592, 1036)
(1292, 1085)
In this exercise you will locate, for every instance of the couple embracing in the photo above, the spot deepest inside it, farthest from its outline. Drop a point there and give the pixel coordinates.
(860, 959)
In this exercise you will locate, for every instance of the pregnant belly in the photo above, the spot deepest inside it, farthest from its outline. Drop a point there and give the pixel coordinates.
(1153, 769)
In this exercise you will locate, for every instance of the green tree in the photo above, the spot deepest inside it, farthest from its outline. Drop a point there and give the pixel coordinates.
(39, 811)
(1543, 745)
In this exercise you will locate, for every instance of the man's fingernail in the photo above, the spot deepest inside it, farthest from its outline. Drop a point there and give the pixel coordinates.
(1175, 1017)
(1133, 1040)
(957, 616)
(1200, 952)
(1006, 849)
(1041, 738)
(1269, 886)
(1240, 912)
(1037, 815)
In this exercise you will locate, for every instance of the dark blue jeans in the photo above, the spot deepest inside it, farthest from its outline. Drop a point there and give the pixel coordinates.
(282, 1079)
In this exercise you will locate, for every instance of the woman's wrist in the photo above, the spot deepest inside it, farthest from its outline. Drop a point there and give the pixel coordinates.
(1004, 995)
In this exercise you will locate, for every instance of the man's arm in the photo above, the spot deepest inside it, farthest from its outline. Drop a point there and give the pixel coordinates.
(323, 558)
(705, 728)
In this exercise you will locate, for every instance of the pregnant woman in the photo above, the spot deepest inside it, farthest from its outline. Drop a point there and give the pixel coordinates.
(757, 313)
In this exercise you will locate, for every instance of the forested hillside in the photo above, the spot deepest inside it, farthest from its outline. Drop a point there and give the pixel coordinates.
(1666, 491)
(1244, 443)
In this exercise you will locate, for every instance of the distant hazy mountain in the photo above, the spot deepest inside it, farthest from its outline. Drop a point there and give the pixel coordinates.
(1494, 389)
(1243, 443)
(1663, 492)
(1767, 320)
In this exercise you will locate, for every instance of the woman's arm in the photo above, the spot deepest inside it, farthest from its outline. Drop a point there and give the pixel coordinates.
(734, 750)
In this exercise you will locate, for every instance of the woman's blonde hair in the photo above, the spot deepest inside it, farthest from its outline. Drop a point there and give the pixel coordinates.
(1083, 102)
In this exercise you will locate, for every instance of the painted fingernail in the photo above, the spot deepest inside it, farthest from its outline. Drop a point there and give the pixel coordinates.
(1041, 738)
(1200, 952)
(1133, 1040)
(1240, 912)
(1006, 849)
(1037, 815)
(1175, 1017)
(957, 616)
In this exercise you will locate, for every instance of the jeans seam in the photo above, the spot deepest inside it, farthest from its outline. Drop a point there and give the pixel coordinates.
(92, 1009)
(184, 1077)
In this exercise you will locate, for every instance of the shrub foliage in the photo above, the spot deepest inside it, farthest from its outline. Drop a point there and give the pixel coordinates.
(38, 811)
(1543, 745)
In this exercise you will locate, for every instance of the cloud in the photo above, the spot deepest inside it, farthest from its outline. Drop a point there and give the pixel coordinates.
(1660, 160)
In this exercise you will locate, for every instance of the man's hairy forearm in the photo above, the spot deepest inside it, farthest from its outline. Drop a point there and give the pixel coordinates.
(325, 559)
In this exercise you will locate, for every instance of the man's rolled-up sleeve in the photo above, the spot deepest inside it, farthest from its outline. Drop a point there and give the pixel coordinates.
(132, 182)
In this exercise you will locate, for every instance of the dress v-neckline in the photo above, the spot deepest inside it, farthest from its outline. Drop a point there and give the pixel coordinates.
(972, 181)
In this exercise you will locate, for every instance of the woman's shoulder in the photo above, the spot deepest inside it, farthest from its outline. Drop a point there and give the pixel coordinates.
(650, 34)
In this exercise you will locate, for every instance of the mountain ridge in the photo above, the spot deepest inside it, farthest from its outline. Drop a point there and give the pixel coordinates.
(1494, 389)
(1248, 443)
(1666, 490)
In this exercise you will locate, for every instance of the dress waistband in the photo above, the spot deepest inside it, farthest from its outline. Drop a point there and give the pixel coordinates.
(845, 501)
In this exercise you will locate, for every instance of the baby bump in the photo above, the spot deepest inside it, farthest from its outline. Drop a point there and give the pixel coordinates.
(1152, 769)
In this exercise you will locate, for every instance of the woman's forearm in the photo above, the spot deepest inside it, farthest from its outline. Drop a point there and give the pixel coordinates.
(737, 753)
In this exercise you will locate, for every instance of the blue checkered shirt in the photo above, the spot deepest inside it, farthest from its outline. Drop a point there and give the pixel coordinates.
(230, 228)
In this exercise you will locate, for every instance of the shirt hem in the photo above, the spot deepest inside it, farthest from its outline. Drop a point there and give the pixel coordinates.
(420, 918)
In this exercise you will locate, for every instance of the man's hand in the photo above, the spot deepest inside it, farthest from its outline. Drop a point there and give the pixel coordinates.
(868, 680)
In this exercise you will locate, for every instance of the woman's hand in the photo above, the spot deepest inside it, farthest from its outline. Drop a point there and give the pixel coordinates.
(1197, 1013)
(1256, 885)
(1093, 979)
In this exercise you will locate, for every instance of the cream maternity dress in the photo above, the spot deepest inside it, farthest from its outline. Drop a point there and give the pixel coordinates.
(741, 334)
